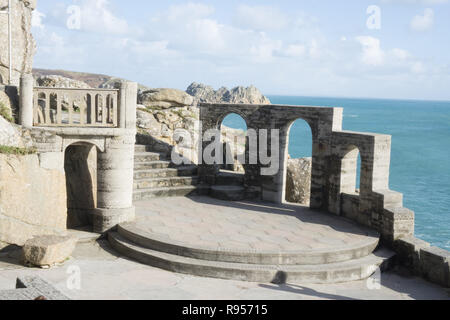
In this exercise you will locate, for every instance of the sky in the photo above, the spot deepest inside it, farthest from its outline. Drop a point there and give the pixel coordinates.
(354, 48)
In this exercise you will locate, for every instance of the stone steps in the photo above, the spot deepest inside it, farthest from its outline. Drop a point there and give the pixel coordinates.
(228, 193)
(155, 177)
(181, 191)
(147, 183)
(230, 178)
(147, 157)
(152, 165)
(352, 270)
(148, 240)
(183, 171)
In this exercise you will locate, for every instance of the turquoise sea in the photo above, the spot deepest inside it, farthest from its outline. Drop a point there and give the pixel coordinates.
(420, 164)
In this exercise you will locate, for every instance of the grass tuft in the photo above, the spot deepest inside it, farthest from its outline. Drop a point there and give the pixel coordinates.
(17, 151)
(4, 112)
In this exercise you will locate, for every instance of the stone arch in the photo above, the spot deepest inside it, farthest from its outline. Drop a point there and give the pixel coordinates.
(97, 142)
(349, 169)
(234, 149)
(99, 108)
(109, 108)
(80, 166)
(41, 101)
(228, 112)
(284, 156)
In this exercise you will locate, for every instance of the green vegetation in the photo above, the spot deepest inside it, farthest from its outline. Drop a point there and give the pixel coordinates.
(4, 112)
(17, 151)
(153, 109)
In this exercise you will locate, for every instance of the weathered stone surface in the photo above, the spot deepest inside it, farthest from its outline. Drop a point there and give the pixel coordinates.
(55, 81)
(165, 98)
(298, 181)
(23, 46)
(9, 134)
(5, 102)
(32, 199)
(48, 250)
(32, 288)
(249, 95)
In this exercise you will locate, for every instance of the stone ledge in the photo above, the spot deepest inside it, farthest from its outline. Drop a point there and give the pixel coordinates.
(422, 259)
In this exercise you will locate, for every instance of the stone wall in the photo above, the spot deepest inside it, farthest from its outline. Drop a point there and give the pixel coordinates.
(32, 199)
(23, 44)
(333, 170)
(423, 260)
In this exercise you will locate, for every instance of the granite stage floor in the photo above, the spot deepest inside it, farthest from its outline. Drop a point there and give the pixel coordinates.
(247, 226)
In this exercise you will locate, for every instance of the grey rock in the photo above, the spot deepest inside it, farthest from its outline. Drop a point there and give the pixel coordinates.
(298, 181)
(165, 98)
(55, 81)
(48, 250)
(249, 95)
(23, 42)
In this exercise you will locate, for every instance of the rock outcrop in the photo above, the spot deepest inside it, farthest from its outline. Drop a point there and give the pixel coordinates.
(55, 81)
(23, 44)
(298, 181)
(249, 95)
(165, 98)
(32, 199)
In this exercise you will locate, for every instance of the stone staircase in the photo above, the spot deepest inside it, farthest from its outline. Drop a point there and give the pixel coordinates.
(230, 187)
(155, 176)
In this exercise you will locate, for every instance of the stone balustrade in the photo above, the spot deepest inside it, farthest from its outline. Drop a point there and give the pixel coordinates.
(56, 107)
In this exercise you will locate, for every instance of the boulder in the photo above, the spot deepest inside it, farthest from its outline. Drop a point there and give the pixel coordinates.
(10, 134)
(146, 121)
(48, 250)
(298, 181)
(165, 98)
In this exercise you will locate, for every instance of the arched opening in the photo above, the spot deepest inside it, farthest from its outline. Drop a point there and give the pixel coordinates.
(99, 112)
(80, 165)
(351, 171)
(298, 163)
(233, 137)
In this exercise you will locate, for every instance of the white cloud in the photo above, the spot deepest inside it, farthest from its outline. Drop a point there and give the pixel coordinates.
(97, 16)
(189, 11)
(193, 42)
(423, 22)
(372, 54)
(261, 18)
(36, 19)
(295, 50)
(400, 54)
(418, 68)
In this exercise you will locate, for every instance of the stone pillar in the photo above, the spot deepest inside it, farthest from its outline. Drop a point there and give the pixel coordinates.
(26, 100)
(115, 184)
(128, 101)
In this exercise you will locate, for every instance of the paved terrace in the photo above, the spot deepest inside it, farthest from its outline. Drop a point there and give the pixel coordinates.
(247, 226)
(202, 221)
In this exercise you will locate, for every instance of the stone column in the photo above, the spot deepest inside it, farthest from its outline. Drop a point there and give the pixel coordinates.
(128, 102)
(115, 184)
(26, 100)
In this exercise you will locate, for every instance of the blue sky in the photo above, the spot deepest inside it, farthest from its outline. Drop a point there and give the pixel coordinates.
(309, 48)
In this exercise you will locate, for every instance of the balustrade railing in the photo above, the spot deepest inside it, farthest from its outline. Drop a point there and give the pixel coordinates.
(59, 107)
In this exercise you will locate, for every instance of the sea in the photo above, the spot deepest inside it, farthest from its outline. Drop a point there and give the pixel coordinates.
(420, 160)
